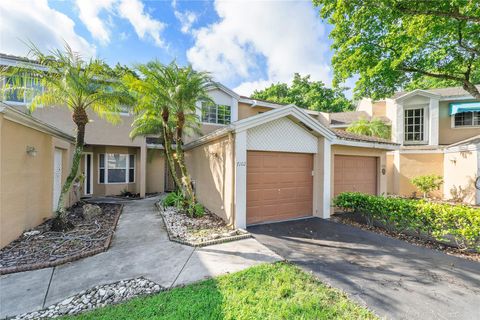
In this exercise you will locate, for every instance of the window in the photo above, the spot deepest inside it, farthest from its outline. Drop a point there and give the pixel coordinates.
(216, 113)
(20, 89)
(116, 168)
(414, 125)
(467, 119)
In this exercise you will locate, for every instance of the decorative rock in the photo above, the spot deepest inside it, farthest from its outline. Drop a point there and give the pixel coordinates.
(91, 210)
(96, 297)
(31, 233)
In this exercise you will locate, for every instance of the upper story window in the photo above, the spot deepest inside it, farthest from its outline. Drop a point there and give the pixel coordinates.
(216, 113)
(414, 125)
(20, 89)
(467, 119)
(116, 168)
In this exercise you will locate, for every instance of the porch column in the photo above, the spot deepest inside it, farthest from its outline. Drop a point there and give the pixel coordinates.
(143, 168)
(241, 179)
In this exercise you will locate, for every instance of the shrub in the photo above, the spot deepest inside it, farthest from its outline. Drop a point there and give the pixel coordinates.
(443, 222)
(427, 183)
(174, 199)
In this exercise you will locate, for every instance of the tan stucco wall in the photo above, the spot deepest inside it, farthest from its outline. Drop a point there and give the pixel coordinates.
(101, 189)
(411, 165)
(390, 174)
(98, 131)
(379, 109)
(461, 170)
(369, 152)
(211, 168)
(449, 135)
(155, 171)
(246, 111)
(26, 192)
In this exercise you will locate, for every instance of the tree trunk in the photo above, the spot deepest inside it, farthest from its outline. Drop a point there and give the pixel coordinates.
(81, 119)
(472, 89)
(169, 156)
(186, 180)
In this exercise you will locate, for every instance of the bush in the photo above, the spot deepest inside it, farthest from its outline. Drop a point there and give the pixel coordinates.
(443, 222)
(176, 199)
(427, 183)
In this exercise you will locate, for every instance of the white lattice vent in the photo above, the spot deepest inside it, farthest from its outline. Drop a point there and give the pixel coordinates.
(281, 135)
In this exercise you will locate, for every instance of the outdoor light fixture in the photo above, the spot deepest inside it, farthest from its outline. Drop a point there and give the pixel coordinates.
(31, 151)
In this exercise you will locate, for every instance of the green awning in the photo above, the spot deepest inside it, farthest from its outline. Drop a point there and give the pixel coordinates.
(459, 107)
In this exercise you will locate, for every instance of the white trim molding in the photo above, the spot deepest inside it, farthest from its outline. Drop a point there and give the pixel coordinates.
(241, 179)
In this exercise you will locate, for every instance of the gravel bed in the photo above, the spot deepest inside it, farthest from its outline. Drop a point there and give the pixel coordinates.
(195, 231)
(40, 247)
(345, 219)
(96, 297)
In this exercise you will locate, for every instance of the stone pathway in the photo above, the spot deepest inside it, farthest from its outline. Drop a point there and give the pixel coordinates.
(140, 249)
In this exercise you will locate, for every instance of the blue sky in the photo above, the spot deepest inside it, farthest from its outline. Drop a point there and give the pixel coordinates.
(244, 44)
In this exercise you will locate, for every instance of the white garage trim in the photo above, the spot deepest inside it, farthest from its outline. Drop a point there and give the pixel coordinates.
(281, 135)
(327, 169)
(241, 180)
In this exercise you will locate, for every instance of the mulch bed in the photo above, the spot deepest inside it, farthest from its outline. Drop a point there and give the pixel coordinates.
(41, 248)
(345, 218)
(198, 232)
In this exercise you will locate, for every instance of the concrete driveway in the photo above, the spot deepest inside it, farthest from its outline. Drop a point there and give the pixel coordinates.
(140, 248)
(393, 278)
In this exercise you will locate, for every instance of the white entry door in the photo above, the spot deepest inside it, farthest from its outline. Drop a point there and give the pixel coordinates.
(57, 177)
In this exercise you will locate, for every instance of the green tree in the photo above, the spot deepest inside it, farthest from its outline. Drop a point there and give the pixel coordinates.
(166, 104)
(79, 85)
(307, 94)
(427, 183)
(374, 128)
(393, 43)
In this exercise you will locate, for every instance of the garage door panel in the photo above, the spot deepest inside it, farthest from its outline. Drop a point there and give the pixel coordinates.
(279, 186)
(355, 174)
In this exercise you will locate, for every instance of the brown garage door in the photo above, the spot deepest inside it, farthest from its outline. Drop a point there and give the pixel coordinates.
(354, 173)
(279, 186)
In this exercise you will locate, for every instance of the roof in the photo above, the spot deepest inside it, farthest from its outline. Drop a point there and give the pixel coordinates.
(469, 141)
(263, 100)
(344, 119)
(442, 92)
(12, 114)
(342, 134)
(316, 127)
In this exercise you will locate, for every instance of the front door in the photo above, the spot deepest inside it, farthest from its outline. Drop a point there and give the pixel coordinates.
(57, 177)
(88, 182)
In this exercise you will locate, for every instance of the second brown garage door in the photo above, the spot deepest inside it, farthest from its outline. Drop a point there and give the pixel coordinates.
(355, 173)
(279, 186)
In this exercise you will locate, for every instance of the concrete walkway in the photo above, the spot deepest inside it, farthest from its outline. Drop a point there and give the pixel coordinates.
(395, 279)
(140, 248)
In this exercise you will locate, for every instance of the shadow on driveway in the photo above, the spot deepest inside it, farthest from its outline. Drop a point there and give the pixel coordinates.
(395, 279)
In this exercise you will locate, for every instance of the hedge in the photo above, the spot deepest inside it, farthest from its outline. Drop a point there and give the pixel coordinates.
(441, 221)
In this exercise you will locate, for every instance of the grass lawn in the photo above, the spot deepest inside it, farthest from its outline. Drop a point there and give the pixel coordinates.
(270, 291)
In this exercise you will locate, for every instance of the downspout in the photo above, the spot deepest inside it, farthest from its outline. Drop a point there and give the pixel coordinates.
(231, 141)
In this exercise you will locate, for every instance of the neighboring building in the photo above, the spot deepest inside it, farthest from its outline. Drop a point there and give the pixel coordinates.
(35, 159)
(254, 162)
(438, 130)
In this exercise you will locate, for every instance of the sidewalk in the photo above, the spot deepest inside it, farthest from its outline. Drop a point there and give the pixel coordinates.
(140, 248)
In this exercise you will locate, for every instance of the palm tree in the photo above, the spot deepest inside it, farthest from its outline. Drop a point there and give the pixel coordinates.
(166, 104)
(81, 86)
(375, 128)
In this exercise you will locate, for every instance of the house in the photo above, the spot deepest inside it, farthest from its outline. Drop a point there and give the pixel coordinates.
(439, 133)
(35, 159)
(255, 161)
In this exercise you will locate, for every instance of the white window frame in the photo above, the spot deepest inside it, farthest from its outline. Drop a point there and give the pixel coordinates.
(18, 103)
(425, 108)
(453, 126)
(91, 172)
(216, 114)
(105, 177)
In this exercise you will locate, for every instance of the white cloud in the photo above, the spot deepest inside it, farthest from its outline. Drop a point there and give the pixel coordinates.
(35, 21)
(187, 18)
(89, 14)
(144, 25)
(288, 35)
